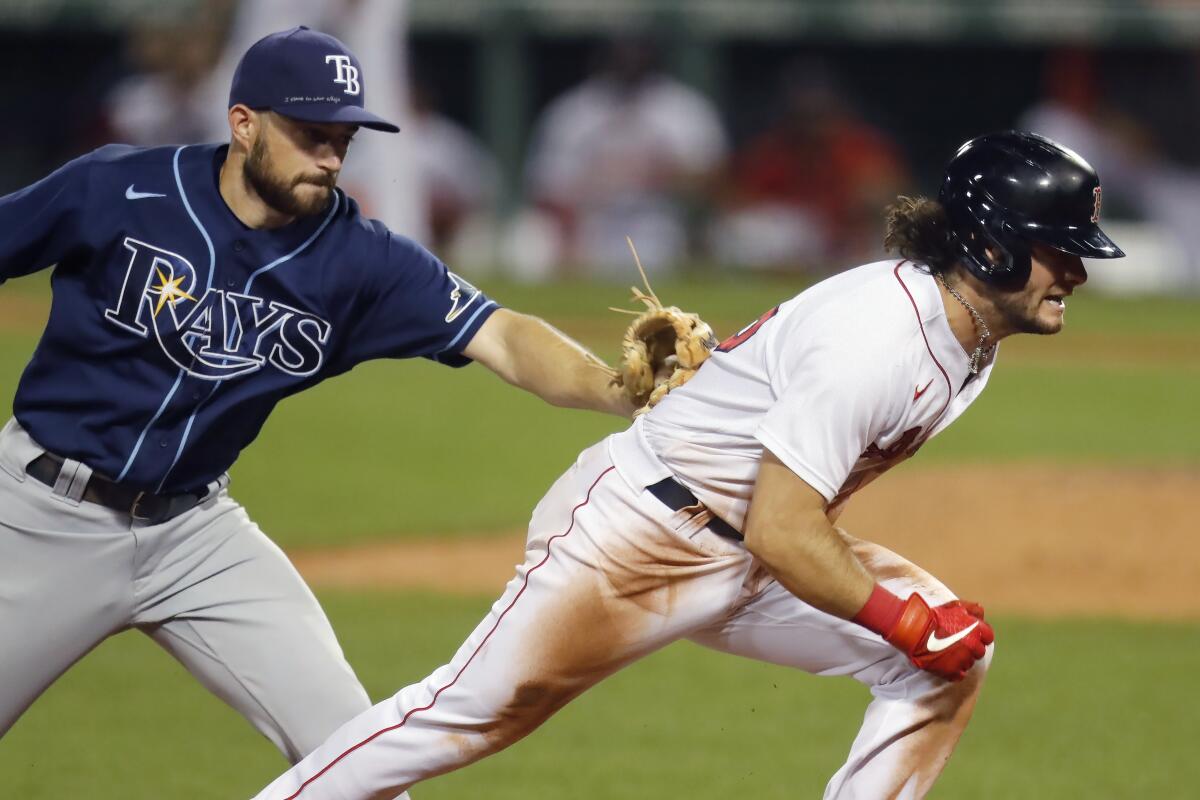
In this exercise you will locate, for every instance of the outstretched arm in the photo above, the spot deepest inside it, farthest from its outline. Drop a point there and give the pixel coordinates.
(529, 353)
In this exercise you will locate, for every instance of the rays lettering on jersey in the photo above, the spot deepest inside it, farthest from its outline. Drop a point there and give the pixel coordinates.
(219, 335)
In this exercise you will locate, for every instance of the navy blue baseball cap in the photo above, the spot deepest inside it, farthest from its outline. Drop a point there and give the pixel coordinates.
(306, 75)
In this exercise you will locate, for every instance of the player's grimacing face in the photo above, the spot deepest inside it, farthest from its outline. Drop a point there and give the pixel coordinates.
(294, 165)
(1039, 305)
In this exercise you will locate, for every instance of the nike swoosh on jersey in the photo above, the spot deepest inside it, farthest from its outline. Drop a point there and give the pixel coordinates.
(936, 645)
(133, 194)
(918, 392)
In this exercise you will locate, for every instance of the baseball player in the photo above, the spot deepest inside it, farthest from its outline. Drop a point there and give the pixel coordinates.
(713, 517)
(195, 288)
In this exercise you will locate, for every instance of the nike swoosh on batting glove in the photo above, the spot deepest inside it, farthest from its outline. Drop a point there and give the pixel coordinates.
(946, 640)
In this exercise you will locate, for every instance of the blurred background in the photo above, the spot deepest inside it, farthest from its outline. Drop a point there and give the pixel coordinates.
(748, 147)
(759, 136)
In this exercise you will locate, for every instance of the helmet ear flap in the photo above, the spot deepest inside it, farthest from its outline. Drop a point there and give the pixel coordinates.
(995, 255)
(1021, 254)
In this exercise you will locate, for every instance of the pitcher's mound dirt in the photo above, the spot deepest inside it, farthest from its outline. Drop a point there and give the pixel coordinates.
(1042, 541)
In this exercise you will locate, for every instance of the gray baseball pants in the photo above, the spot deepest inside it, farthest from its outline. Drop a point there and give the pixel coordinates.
(208, 586)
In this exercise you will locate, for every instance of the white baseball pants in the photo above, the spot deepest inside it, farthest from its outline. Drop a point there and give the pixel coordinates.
(611, 574)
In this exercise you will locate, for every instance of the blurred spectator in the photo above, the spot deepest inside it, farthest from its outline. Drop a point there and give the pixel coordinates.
(807, 191)
(460, 175)
(164, 101)
(630, 151)
(1141, 181)
(1073, 111)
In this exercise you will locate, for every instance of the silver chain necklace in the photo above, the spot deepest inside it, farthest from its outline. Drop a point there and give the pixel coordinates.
(977, 357)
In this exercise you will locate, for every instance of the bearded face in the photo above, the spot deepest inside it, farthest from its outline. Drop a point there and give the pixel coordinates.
(1038, 306)
(293, 193)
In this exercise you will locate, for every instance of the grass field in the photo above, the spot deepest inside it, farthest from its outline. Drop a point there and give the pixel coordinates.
(416, 448)
(1073, 709)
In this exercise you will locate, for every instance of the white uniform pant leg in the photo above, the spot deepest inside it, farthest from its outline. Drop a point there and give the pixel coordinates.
(915, 719)
(224, 600)
(610, 575)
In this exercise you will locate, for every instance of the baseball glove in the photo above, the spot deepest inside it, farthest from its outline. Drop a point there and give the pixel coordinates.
(662, 348)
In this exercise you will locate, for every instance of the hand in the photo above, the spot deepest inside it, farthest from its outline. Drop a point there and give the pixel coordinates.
(946, 640)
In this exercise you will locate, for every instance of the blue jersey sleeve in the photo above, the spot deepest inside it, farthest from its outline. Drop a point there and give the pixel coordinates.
(411, 305)
(40, 224)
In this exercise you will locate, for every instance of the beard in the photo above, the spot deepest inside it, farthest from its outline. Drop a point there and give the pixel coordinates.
(279, 193)
(1019, 318)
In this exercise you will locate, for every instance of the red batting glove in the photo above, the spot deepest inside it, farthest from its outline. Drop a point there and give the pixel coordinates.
(946, 640)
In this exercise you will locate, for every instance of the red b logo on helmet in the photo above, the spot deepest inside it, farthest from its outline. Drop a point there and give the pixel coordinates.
(1096, 204)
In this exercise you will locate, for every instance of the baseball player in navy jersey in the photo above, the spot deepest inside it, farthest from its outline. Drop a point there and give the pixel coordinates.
(194, 288)
(713, 518)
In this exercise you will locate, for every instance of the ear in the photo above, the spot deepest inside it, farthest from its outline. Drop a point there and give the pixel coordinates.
(245, 126)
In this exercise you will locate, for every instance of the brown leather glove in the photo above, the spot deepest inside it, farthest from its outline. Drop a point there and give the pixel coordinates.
(662, 348)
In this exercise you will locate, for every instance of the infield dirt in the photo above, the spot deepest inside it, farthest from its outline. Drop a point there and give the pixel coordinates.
(1036, 541)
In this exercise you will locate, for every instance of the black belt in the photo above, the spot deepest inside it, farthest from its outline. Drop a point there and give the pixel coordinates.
(142, 506)
(676, 496)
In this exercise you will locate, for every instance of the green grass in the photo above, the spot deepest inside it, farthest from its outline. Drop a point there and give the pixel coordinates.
(1090, 709)
(468, 453)
(413, 447)
(1080, 413)
(1073, 709)
(730, 296)
(408, 448)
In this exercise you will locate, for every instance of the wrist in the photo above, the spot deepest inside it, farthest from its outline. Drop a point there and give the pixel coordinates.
(881, 612)
(619, 402)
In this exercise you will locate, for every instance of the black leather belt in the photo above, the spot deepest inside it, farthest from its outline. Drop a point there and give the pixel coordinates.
(676, 496)
(142, 506)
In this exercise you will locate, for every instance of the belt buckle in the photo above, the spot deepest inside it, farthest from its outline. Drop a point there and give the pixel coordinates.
(133, 509)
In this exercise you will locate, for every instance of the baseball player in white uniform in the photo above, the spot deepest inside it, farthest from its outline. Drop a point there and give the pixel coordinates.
(713, 518)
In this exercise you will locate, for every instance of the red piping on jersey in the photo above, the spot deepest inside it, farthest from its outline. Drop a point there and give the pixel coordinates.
(438, 693)
(917, 311)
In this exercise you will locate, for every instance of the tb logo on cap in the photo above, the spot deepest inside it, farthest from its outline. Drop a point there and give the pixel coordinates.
(347, 73)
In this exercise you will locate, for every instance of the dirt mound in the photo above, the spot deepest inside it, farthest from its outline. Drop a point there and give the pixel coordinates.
(1041, 541)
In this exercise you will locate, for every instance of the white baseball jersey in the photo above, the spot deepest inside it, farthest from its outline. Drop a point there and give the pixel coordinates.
(841, 382)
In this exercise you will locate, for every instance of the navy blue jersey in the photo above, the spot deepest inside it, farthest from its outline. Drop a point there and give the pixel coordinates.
(175, 329)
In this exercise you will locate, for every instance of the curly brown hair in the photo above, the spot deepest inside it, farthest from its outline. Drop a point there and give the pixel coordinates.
(917, 229)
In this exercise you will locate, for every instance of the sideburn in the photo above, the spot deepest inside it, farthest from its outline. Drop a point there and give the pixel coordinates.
(277, 194)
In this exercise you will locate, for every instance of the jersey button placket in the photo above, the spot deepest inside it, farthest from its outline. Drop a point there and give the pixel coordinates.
(239, 247)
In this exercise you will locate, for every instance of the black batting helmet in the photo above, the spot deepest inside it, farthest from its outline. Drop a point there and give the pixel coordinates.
(1007, 191)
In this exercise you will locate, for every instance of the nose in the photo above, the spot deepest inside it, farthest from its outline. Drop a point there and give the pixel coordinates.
(1077, 273)
(330, 161)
